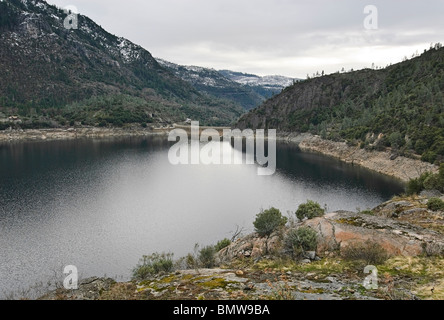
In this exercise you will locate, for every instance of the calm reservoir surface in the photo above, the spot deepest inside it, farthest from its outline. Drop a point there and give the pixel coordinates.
(102, 204)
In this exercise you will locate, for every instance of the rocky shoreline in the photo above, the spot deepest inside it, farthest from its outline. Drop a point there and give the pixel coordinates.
(397, 167)
(383, 162)
(259, 268)
(77, 133)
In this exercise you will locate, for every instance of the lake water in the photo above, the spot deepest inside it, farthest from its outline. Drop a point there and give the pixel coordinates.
(100, 205)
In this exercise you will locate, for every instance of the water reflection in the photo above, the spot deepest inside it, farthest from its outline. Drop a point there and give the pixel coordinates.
(102, 204)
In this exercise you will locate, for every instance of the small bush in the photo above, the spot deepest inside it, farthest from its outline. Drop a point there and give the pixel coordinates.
(309, 210)
(435, 204)
(103, 123)
(190, 261)
(222, 244)
(207, 257)
(415, 186)
(368, 212)
(429, 156)
(301, 240)
(364, 254)
(4, 126)
(427, 181)
(153, 264)
(268, 221)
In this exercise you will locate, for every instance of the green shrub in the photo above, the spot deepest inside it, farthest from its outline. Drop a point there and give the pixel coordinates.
(427, 181)
(222, 244)
(432, 183)
(268, 221)
(420, 146)
(415, 186)
(153, 264)
(429, 156)
(309, 210)
(191, 260)
(435, 204)
(368, 212)
(301, 240)
(103, 123)
(364, 254)
(396, 140)
(207, 257)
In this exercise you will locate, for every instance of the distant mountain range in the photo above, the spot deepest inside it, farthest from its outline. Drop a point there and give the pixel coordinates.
(272, 83)
(54, 76)
(248, 90)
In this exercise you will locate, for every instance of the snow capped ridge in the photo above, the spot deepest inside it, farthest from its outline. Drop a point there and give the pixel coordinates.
(195, 74)
(277, 80)
(247, 90)
(127, 50)
(165, 63)
(194, 69)
(273, 81)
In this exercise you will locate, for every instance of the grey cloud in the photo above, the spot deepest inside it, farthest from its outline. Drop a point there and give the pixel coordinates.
(269, 36)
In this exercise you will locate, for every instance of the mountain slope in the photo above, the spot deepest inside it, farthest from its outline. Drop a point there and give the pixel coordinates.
(214, 83)
(44, 66)
(247, 90)
(401, 107)
(266, 86)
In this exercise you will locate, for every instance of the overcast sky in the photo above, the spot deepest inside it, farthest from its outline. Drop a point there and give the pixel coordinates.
(286, 37)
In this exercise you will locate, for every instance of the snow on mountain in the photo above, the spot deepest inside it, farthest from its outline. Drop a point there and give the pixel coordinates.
(248, 90)
(272, 81)
(196, 75)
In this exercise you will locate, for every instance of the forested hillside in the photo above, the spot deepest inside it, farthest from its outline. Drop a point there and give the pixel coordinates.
(52, 75)
(399, 107)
